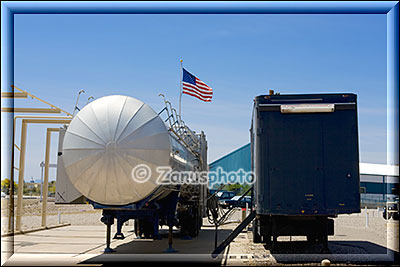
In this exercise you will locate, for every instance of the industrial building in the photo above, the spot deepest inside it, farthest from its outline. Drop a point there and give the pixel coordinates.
(378, 182)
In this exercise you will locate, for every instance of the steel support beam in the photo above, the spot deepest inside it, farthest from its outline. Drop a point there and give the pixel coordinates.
(20, 176)
(41, 100)
(12, 167)
(14, 95)
(31, 110)
(46, 174)
(51, 120)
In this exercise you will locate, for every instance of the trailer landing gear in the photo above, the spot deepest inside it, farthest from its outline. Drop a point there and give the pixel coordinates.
(170, 249)
(108, 249)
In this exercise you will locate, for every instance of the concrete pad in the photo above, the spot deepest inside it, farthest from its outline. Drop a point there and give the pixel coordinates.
(84, 245)
(50, 260)
(393, 235)
(80, 244)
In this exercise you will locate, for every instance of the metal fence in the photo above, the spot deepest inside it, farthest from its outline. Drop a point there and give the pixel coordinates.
(372, 202)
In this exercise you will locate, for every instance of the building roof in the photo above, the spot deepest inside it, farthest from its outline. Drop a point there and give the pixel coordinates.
(241, 157)
(235, 160)
(379, 169)
(230, 153)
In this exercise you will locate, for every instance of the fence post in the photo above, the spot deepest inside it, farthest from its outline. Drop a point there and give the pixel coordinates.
(59, 216)
(243, 214)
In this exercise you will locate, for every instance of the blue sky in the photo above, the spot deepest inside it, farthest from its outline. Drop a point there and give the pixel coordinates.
(239, 56)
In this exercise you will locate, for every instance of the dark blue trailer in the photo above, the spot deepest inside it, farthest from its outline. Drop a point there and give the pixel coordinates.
(306, 163)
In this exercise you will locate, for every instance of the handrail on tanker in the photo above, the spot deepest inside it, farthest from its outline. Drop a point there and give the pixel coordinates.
(177, 126)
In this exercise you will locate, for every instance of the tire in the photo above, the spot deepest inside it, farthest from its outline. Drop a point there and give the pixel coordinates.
(311, 238)
(148, 231)
(136, 228)
(191, 223)
(194, 231)
(266, 239)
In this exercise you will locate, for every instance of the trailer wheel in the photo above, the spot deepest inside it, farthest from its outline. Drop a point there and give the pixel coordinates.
(190, 222)
(312, 238)
(256, 236)
(200, 222)
(148, 231)
(320, 238)
(194, 227)
(266, 239)
(136, 228)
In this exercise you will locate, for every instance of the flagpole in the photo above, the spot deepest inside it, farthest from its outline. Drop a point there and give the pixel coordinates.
(180, 91)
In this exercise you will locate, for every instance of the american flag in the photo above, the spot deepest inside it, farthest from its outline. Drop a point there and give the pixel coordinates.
(191, 85)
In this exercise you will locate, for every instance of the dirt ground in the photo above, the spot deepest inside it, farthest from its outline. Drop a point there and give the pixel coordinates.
(82, 214)
(33, 207)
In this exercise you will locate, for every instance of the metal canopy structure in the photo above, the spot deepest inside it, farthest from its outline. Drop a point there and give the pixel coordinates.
(24, 94)
(26, 119)
(14, 95)
(31, 110)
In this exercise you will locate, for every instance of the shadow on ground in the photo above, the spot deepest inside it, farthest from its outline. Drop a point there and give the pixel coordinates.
(140, 250)
(355, 252)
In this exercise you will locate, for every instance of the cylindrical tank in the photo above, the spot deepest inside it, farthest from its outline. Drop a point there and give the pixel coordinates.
(107, 145)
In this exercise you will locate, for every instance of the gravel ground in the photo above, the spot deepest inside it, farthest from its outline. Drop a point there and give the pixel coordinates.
(34, 206)
(354, 242)
(376, 222)
(83, 214)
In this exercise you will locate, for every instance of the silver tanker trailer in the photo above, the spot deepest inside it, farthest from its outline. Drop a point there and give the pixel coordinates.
(109, 156)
